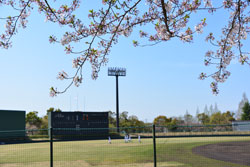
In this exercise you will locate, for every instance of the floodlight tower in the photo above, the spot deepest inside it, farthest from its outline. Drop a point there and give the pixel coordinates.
(117, 71)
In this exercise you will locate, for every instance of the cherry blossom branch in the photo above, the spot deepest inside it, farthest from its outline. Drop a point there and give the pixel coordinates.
(120, 17)
(77, 80)
(12, 24)
(165, 17)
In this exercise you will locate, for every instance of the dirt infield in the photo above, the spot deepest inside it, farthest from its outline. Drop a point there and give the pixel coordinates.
(235, 152)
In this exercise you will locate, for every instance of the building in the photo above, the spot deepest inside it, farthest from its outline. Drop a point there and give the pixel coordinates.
(241, 125)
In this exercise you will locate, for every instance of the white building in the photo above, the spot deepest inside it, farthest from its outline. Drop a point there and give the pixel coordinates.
(241, 125)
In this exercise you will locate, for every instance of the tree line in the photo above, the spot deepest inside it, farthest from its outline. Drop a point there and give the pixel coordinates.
(33, 121)
(211, 116)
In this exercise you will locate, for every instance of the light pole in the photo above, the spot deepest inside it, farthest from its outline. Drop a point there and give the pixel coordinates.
(117, 71)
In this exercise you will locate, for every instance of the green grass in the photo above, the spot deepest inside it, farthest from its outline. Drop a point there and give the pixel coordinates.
(170, 152)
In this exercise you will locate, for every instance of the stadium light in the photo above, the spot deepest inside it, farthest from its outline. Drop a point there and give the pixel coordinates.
(117, 71)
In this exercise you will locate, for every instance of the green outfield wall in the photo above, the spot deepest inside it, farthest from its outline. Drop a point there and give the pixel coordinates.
(11, 120)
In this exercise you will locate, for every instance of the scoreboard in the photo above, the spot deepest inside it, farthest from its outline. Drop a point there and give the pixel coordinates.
(79, 123)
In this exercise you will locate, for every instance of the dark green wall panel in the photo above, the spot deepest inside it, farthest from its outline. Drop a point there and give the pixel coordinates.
(11, 120)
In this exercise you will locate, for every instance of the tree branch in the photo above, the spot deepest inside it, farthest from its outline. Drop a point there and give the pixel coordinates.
(165, 17)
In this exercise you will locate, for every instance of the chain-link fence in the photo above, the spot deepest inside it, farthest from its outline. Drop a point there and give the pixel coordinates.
(102, 147)
(24, 148)
(191, 146)
(202, 146)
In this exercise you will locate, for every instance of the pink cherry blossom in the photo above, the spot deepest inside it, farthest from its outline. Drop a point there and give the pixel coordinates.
(170, 19)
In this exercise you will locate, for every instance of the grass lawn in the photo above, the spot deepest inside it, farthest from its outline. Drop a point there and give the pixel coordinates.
(170, 152)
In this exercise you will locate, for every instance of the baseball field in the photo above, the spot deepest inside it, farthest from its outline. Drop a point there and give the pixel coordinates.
(188, 152)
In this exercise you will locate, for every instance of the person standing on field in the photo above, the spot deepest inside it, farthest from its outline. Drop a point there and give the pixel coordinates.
(109, 140)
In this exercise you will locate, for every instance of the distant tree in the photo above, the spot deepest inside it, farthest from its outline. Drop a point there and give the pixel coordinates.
(130, 121)
(206, 110)
(112, 119)
(217, 118)
(44, 119)
(58, 110)
(196, 115)
(32, 119)
(124, 122)
(52, 109)
(229, 116)
(197, 111)
(44, 124)
(135, 122)
(241, 105)
(216, 108)
(165, 123)
(203, 118)
(124, 116)
(162, 120)
(246, 111)
(188, 118)
(211, 110)
(222, 118)
(179, 120)
(173, 122)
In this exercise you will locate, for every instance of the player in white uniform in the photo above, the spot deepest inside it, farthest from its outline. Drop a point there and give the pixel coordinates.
(129, 138)
(109, 140)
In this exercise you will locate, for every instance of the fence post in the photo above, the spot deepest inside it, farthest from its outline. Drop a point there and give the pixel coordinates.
(51, 147)
(154, 145)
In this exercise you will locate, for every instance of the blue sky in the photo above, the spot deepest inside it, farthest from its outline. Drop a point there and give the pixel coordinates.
(161, 80)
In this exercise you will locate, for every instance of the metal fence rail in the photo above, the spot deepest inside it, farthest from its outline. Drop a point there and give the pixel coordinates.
(192, 146)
